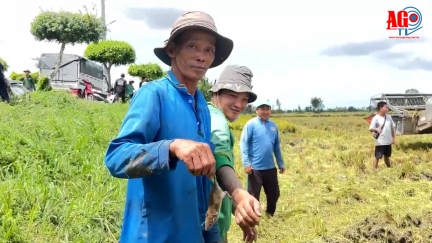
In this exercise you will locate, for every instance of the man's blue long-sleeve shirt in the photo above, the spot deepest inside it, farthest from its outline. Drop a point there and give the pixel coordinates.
(164, 201)
(259, 140)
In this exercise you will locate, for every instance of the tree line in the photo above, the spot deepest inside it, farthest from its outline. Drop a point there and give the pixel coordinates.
(317, 106)
(85, 27)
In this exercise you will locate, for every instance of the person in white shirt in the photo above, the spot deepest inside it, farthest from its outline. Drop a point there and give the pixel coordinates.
(384, 128)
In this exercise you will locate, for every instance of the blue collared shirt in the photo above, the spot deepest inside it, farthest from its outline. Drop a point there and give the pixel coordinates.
(168, 204)
(259, 140)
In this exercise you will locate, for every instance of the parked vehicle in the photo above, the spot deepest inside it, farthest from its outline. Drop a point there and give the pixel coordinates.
(73, 70)
(17, 88)
(88, 92)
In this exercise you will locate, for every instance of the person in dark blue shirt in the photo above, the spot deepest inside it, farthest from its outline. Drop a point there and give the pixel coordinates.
(164, 145)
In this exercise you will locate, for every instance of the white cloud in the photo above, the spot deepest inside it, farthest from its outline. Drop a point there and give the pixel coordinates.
(280, 42)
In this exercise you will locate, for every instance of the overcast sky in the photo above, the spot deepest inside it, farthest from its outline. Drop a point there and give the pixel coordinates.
(337, 50)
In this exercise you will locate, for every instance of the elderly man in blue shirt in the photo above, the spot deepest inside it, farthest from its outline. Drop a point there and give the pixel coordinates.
(164, 145)
(259, 141)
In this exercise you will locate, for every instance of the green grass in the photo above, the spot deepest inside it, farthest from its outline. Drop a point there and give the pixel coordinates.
(55, 188)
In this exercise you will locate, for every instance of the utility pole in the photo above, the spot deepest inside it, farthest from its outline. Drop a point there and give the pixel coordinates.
(104, 37)
(103, 17)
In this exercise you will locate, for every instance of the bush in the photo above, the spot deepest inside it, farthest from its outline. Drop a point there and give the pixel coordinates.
(43, 84)
(152, 71)
(287, 127)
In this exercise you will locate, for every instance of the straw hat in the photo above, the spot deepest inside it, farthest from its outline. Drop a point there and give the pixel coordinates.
(197, 20)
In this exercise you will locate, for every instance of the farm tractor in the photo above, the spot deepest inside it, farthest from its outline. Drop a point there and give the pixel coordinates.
(411, 113)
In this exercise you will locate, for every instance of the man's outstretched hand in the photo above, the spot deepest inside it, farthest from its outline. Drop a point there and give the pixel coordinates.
(198, 157)
(248, 210)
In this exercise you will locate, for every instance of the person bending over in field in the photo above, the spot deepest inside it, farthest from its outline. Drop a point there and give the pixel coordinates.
(164, 145)
(259, 141)
(383, 127)
(230, 96)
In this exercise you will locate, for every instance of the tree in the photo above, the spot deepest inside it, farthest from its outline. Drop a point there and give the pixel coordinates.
(5, 64)
(66, 28)
(278, 105)
(151, 71)
(249, 109)
(317, 104)
(110, 53)
(299, 109)
(411, 91)
(204, 86)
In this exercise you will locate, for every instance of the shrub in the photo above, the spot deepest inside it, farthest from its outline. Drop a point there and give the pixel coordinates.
(43, 84)
(287, 127)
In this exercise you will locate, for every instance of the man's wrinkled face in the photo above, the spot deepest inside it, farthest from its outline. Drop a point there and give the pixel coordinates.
(232, 103)
(194, 53)
(264, 112)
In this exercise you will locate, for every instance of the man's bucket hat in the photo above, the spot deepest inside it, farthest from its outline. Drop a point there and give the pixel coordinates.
(236, 78)
(26, 71)
(197, 20)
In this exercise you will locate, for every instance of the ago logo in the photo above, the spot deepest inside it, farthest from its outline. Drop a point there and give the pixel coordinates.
(406, 22)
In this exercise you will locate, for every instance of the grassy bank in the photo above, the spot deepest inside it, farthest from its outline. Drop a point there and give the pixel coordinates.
(54, 186)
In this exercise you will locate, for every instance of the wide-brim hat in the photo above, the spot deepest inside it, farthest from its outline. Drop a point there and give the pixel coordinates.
(236, 78)
(197, 20)
(27, 71)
